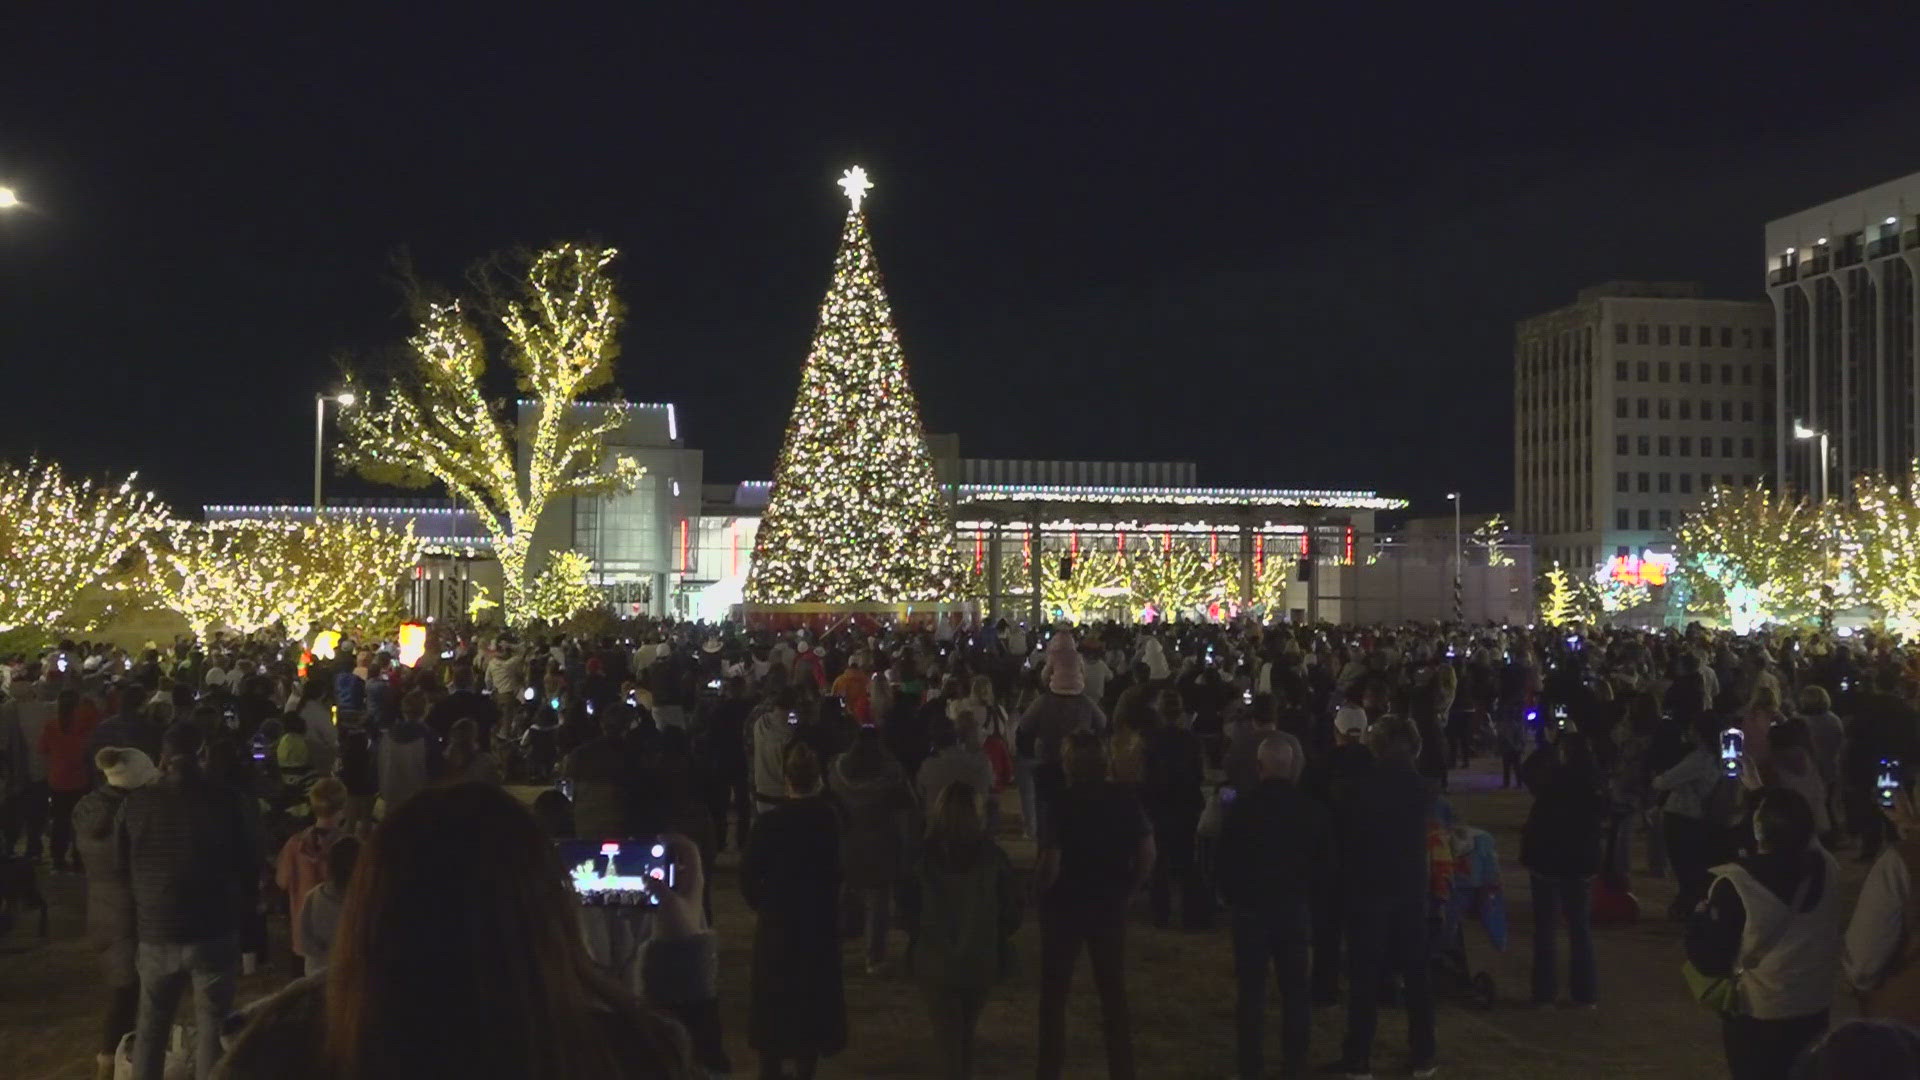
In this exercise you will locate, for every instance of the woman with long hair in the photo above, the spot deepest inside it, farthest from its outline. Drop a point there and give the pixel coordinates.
(965, 906)
(504, 989)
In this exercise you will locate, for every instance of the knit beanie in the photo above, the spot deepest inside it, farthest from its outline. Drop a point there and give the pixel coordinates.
(126, 767)
(1066, 672)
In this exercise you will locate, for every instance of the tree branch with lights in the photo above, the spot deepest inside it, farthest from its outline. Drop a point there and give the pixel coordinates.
(559, 327)
(60, 538)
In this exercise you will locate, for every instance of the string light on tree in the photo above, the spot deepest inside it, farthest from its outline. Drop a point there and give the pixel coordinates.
(564, 589)
(559, 325)
(60, 538)
(856, 514)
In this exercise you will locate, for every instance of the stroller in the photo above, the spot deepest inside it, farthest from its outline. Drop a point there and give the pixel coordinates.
(1465, 884)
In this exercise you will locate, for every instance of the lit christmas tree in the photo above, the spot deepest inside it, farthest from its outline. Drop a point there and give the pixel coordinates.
(856, 514)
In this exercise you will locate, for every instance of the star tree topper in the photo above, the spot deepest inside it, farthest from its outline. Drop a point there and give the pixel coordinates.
(855, 183)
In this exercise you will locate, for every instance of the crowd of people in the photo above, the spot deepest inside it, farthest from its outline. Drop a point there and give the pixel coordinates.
(1288, 782)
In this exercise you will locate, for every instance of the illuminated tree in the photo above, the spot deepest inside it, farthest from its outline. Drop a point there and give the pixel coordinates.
(1758, 558)
(59, 538)
(856, 513)
(1490, 537)
(559, 330)
(564, 589)
(1612, 595)
(1558, 603)
(1099, 581)
(338, 573)
(1181, 579)
(1881, 540)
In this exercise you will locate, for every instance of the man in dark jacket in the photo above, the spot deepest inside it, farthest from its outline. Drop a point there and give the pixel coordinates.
(465, 703)
(1383, 845)
(1275, 853)
(130, 728)
(184, 845)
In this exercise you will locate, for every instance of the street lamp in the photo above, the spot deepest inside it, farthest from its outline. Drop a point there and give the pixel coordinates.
(1802, 431)
(1458, 558)
(8, 198)
(344, 399)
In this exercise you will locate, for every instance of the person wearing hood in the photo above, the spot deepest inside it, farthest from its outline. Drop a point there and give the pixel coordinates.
(109, 901)
(1154, 656)
(409, 757)
(771, 731)
(872, 789)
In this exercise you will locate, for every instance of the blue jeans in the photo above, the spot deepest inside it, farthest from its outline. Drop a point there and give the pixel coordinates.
(1571, 898)
(1383, 938)
(165, 969)
(1276, 939)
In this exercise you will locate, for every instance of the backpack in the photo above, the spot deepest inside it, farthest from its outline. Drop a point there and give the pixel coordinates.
(1898, 995)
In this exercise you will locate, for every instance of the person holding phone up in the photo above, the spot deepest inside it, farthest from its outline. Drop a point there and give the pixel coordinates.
(1881, 953)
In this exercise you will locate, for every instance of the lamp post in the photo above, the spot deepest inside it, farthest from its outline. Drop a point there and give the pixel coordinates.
(1459, 604)
(1802, 431)
(343, 399)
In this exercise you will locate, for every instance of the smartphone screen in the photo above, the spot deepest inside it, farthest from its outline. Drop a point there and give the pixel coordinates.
(527, 694)
(1246, 697)
(1732, 745)
(1888, 780)
(1228, 793)
(793, 717)
(617, 873)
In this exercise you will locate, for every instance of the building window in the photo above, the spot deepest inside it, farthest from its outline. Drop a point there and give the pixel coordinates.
(1726, 410)
(1747, 479)
(1726, 447)
(1620, 519)
(1746, 374)
(1746, 337)
(1665, 368)
(1766, 337)
(1620, 482)
(1666, 483)
(1620, 445)
(1686, 441)
(1620, 371)
(1619, 333)
(1686, 408)
(1706, 337)
(1686, 369)
(1746, 446)
(1726, 479)
(1706, 374)
(1640, 408)
(1686, 483)
(1666, 334)
(1640, 333)
(1766, 377)
(1726, 374)
(1726, 337)
(1706, 482)
(1666, 408)
(1640, 371)
(1746, 410)
(1620, 408)
(1666, 519)
(1645, 442)
(1643, 482)
(1666, 445)
(1644, 522)
(1686, 338)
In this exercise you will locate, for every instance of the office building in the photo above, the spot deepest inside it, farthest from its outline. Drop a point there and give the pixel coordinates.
(1842, 279)
(1629, 405)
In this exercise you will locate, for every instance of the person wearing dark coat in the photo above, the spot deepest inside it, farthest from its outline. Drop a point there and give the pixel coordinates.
(1274, 858)
(790, 876)
(872, 789)
(1170, 791)
(1560, 847)
(109, 902)
(1382, 827)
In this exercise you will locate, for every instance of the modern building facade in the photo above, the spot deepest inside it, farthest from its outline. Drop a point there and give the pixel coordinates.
(1844, 278)
(1630, 404)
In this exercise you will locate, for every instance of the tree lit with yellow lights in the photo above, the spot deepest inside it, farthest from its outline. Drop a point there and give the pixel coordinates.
(559, 326)
(60, 537)
(856, 514)
(563, 589)
(1754, 558)
(340, 573)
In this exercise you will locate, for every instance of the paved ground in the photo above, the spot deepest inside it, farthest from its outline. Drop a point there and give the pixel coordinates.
(1180, 985)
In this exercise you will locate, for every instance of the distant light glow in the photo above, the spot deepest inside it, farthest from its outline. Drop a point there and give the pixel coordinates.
(8, 198)
(673, 423)
(413, 643)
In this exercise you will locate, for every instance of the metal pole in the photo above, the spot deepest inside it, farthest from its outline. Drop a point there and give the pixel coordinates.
(319, 436)
(1825, 492)
(1459, 560)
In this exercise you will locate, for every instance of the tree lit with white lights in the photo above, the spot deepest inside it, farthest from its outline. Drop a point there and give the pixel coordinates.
(559, 325)
(60, 537)
(856, 513)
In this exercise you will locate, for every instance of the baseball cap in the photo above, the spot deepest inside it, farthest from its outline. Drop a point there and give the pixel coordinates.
(1350, 720)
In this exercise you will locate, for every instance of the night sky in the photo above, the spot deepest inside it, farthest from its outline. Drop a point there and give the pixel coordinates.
(1292, 252)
